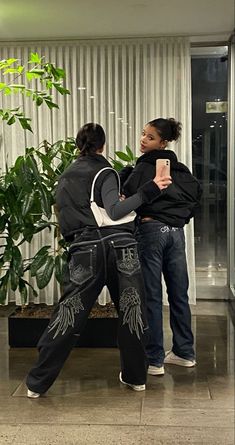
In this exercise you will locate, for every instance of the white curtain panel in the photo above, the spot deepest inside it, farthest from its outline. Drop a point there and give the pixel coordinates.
(121, 84)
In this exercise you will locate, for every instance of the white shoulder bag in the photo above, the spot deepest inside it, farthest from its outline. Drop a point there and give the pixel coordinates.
(100, 213)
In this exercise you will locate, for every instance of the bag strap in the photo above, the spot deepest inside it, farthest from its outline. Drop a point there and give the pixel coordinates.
(96, 176)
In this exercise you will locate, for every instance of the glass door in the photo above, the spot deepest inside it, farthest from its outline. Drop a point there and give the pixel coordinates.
(231, 167)
(209, 113)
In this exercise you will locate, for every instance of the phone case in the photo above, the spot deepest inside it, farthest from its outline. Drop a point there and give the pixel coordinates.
(167, 165)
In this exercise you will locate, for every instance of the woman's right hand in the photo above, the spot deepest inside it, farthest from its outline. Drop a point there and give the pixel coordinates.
(161, 180)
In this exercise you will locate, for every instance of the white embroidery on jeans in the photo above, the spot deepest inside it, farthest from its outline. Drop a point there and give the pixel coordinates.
(130, 305)
(80, 273)
(165, 229)
(130, 261)
(168, 229)
(66, 315)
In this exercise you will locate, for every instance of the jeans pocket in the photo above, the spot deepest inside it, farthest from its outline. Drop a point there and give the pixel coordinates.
(82, 264)
(126, 255)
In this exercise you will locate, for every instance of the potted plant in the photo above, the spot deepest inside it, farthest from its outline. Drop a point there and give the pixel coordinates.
(27, 204)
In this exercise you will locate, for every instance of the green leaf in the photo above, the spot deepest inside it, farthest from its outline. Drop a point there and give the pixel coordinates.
(60, 88)
(39, 260)
(12, 205)
(31, 76)
(11, 120)
(23, 291)
(59, 73)
(27, 204)
(47, 200)
(34, 58)
(3, 293)
(12, 71)
(35, 294)
(130, 153)
(5, 115)
(39, 101)
(42, 225)
(11, 61)
(24, 124)
(51, 104)
(4, 287)
(60, 266)
(26, 175)
(7, 91)
(7, 256)
(122, 156)
(17, 86)
(117, 164)
(17, 262)
(39, 71)
(14, 280)
(44, 274)
(45, 194)
(3, 222)
(18, 162)
(2, 85)
(28, 232)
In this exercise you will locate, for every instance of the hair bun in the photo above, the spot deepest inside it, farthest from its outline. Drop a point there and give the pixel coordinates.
(175, 129)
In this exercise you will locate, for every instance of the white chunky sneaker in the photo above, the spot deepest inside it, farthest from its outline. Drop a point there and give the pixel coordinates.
(156, 370)
(173, 359)
(32, 395)
(134, 387)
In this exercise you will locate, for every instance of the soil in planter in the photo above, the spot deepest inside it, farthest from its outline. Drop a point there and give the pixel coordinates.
(44, 311)
(26, 326)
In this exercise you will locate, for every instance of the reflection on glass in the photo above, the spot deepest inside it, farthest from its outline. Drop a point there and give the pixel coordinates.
(209, 95)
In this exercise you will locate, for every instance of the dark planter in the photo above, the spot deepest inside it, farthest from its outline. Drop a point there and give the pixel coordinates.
(99, 332)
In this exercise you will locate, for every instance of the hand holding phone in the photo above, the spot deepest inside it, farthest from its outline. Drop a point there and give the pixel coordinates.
(163, 177)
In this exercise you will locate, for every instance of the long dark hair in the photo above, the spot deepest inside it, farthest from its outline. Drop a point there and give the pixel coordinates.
(168, 129)
(90, 138)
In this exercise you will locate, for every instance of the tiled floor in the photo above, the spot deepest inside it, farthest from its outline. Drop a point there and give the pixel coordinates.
(88, 406)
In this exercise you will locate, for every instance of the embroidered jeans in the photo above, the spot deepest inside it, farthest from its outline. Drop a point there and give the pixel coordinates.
(96, 260)
(162, 251)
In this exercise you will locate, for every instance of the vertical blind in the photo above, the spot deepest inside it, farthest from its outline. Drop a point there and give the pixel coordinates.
(121, 84)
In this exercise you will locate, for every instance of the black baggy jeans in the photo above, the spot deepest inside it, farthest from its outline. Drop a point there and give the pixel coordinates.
(96, 259)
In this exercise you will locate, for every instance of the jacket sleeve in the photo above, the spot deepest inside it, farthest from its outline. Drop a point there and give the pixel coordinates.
(124, 174)
(197, 202)
(133, 182)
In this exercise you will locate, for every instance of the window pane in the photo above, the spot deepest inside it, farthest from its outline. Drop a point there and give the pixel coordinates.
(209, 97)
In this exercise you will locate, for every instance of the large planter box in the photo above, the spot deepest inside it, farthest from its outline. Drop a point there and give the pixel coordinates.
(100, 331)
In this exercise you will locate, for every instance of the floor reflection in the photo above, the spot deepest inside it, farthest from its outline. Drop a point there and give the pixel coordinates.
(88, 392)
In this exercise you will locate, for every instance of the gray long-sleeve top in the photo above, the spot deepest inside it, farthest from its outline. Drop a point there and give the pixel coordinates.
(117, 209)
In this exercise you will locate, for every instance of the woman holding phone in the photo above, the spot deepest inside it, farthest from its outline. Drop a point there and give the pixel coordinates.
(161, 241)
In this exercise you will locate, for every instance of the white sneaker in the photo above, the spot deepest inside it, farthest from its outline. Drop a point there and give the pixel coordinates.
(32, 395)
(134, 387)
(156, 370)
(172, 359)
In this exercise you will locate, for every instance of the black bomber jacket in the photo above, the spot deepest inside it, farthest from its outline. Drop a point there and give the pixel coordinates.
(176, 204)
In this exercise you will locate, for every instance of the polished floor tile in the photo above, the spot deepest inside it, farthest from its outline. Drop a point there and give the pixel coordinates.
(116, 435)
(87, 405)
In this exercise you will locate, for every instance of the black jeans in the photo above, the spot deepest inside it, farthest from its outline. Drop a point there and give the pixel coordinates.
(162, 250)
(96, 259)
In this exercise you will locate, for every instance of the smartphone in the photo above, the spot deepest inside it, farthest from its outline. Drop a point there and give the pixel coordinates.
(167, 165)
